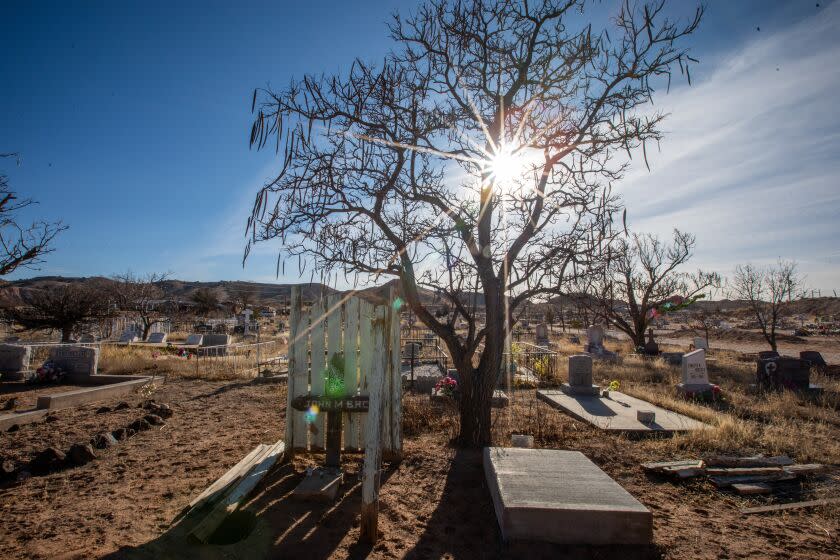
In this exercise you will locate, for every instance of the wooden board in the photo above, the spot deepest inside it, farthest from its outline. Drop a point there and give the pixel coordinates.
(794, 505)
(618, 413)
(351, 368)
(317, 320)
(562, 497)
(298, 372)
(368, 528)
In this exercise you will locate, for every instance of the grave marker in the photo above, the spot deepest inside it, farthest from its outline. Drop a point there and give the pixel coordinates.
(784, 372)
(78, 361)
(14, 361)
(695, 376)
(580, 376)
(157, 338)
(195, 340)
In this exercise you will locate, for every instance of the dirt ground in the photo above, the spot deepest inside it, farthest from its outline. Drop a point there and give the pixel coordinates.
(434, 504)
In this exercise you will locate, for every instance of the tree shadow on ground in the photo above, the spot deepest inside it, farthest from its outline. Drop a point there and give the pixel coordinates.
(464, 526)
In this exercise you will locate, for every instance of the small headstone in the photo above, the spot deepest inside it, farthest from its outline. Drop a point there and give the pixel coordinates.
(580, 376)
(595, 336)
(673, 358)
(76, 360)
(87, 338)
(784, 372)
(574, 339)
(195, 339)
(128, 337)
(595, 344)
(700, 343)
(522, 440)
(157, 338)
(14, 361)
(541, 335)
(814, 357)
(646, 416)
(695, 376)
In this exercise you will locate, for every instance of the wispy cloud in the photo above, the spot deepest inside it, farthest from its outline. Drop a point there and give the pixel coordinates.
(751, 160)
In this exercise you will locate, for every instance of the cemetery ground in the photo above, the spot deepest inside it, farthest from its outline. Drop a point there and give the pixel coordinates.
(435, 502)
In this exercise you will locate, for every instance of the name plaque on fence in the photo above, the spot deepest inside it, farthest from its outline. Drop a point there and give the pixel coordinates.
(327, 404)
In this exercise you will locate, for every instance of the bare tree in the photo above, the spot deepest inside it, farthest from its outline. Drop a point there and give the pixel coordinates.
(65, 308)
(142, 297)
(475, 161)
(642, 278)
(21, 245)
(708, 315)
(765, 290)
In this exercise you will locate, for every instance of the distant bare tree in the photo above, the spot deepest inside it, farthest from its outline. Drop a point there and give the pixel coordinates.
(642, 277)
(707, 315)
(21, 245)
(244, 297)
(141, 296)
(478, 157)
(765, 290)
(65, 308)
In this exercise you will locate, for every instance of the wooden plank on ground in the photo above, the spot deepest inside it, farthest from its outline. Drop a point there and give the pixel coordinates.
(317, 318)
(757, 488)
(741, 471)
(351, 368)
(685, 463)
(230, 502)
(792, 505)
(802, 470)
(754, 461)
(232, 474)
(726, 481)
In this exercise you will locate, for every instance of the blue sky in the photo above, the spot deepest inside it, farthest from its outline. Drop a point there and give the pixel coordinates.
(132, 121)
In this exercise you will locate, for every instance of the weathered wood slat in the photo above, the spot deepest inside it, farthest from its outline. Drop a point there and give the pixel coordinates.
(793, 505)
(806, 469)
(366, 354)
(726, 481)
(754, 461)
(373, 446)
(394, 396)
(687, 463)
(317, 320)
(298, 373)
(741, 471)
(351, 369)
(755, 489)
(230, 502)
(215, 490)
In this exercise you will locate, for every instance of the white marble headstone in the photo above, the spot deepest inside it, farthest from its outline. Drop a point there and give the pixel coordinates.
(595, 335)
(694, 368)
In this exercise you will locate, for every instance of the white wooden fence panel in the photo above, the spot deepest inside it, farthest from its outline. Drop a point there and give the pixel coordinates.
(298, 369)
(317, 318)
(351, 365)
(373, 430)
(394, 396)
(366, 353)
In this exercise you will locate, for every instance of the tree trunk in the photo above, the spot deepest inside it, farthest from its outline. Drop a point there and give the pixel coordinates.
(475, 403)
(66, 333)
(147, 329)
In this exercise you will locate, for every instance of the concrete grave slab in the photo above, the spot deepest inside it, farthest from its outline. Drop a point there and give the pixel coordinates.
(87, 395)
(618, 413)
(321, 486)
(20, 418)
(561, 497)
